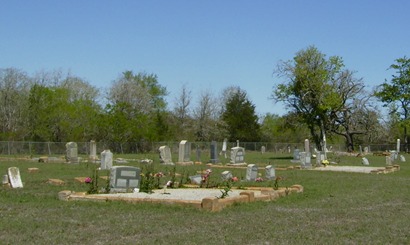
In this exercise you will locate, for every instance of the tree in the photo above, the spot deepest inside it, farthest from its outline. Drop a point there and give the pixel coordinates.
(182, 122)
(322, 95)
(14, 89)
(205, 118)
(240, 117)
(398, 92)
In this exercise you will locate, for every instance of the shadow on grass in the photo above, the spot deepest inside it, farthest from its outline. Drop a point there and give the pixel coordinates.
(282, 157)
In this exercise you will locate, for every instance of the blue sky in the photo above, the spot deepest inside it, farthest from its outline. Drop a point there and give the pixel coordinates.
(207, 45)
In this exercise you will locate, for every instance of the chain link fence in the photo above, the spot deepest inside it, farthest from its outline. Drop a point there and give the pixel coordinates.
(59, 148)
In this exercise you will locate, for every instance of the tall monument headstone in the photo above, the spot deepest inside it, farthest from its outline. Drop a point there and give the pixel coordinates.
(71, 152)
(213, 151)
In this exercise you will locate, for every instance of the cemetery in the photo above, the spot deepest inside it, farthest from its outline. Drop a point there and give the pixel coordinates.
(221, 180)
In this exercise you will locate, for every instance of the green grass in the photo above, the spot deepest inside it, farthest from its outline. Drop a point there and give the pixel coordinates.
(335, 208)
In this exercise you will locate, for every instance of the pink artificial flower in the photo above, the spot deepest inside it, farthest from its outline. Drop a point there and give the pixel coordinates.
(88, 180)
(235, 179)
(259, 179)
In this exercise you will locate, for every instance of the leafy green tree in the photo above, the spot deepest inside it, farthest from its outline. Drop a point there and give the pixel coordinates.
(14, 90)
(398, 92)
(323, 96)
(282, 129)
(240, 117)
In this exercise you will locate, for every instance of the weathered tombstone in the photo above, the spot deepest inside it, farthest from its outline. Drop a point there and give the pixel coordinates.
(226, 175)
(124, 178)
(388, 160)
(305, 160)
(71, 152)
(106, 159)
(184, 155)
(238, 155)
(394, 155)
(165, 156)
(296, 155)
(15, 178)
(321, 156)
(5, 180)
(214, 154)
(307, 146)
(398, 146)
(196, 179)
(302, 158)
(251, 172)
(93, 150)
(360, 150)
(365, 161)
(224, 147)
(366, 150)
(263, 149)
(270, 172)
(402, 158)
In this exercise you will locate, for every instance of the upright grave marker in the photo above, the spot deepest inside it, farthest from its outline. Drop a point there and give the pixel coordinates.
(251, 172)
(93, 150)
(213, 151)
(71, 152)
(14, 177)
(238, 156)
(270, 172)
(165, 156)
(184, 155)
(106, 159)
(224, 147)
(124, 178)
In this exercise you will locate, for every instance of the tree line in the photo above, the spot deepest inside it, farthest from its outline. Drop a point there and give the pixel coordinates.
(324, 101)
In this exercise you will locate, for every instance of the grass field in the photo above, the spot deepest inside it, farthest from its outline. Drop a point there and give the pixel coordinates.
(335, 208)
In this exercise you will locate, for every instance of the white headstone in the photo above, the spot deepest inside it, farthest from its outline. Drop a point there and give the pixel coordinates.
(402, 158)
(398, 146)
(196, 179)
(224, 147)
(237, 155)
(307, 146)
(106, 159)
(270, 172)
(15, 178)
(251, 172)
(93, 150)
(71, 152)
(165, 155)
(365, 161)
(388, 160)
(226, 175)
(263, 149)
(184, 151)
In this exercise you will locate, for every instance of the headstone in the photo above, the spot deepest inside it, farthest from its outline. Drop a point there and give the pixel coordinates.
(366, 150)
(307, 146)
(226, 175)
(388, 160)
(124, 178)
(402, 158)
(398, 146)
(296, 156)
(263, 149)
(360, 150)
(106, 159)
(305, 160)
(394, 155)
(165, 155)
(184, 151)
(237, 143)
(71, 152)
(270, 172)
(237, 155)
(251, 172)
(214, 154)
(224, 147)
(196, 179)
(93, 150)
(320, 157)
(365, 161)
(5, 180)
(15, 178)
